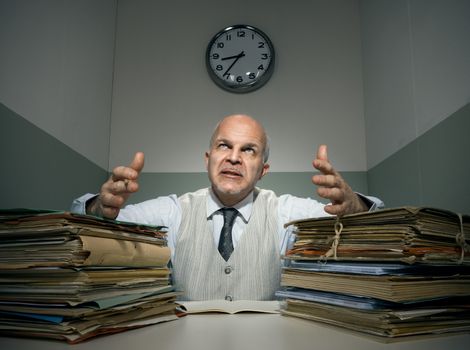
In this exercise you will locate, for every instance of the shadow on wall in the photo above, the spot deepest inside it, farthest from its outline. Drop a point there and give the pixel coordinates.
(40, 171)
(433, 170)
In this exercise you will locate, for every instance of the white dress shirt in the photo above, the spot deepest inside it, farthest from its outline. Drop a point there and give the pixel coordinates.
(166, 211)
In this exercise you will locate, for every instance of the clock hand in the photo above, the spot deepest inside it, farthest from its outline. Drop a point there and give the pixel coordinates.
(237, 57)
(241, 54)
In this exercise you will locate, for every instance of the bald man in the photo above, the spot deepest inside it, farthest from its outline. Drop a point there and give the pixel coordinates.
(211, 261)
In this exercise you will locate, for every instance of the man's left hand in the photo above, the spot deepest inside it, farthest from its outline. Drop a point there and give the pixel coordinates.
(333, 187)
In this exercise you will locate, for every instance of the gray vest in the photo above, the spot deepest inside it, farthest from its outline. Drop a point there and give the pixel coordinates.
(252, 271)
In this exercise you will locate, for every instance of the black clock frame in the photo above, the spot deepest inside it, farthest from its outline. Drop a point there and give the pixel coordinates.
(254, 85)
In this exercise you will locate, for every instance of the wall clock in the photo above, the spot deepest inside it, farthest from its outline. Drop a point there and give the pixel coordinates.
(240, 58)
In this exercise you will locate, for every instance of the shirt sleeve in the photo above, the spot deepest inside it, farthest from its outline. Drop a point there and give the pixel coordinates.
(295, 208)
(79, 204)
(160, 211)
(373, 203)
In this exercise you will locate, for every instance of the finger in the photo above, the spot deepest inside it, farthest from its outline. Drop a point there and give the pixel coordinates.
(326, 180)
(125, 186)
(322, 152)
(120, 186)
(335, 195)
(323, 166)
(138, 162)
(130, 172)
(124, 172)
(109, 212)
(335, 209)
(111, 200)
(321, 162)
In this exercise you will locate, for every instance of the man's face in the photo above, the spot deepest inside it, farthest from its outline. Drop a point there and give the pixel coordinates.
(235, 159)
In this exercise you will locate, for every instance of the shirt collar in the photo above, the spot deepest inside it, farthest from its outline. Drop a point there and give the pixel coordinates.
(244, 207)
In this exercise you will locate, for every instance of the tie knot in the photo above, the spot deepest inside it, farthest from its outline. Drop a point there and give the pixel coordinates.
(229, 215)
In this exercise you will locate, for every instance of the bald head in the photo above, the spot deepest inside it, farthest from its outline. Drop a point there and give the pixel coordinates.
(247, 122)
(236, 159)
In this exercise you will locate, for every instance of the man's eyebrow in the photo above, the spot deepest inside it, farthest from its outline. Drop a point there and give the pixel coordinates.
(252, 145)
(221, 139)
(244, 145)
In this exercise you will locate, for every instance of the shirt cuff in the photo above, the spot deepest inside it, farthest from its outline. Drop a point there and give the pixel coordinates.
(79, 204)
(373, 203)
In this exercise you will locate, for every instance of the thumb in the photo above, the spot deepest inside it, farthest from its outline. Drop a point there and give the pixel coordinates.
(138, 162)
(322, 153)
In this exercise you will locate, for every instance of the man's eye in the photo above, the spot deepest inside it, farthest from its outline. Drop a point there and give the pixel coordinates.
(249, 150)
(222, 146)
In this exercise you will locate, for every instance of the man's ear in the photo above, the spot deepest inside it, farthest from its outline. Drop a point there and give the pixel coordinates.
(206, 160)
(264, 171)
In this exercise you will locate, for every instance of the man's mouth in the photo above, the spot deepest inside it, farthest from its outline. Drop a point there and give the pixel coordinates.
(231, 172)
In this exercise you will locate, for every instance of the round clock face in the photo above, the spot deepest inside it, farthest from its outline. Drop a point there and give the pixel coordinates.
(240, 58)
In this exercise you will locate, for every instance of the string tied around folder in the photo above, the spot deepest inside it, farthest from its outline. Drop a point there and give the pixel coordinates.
(460, 239)
(334, 246)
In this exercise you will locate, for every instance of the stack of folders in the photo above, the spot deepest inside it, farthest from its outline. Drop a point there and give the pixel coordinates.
(390, 274)
(72, 277)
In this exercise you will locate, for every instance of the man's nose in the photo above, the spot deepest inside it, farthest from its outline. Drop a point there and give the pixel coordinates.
(234, 155)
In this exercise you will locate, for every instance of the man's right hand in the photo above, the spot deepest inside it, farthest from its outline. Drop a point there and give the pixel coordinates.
(118, 188)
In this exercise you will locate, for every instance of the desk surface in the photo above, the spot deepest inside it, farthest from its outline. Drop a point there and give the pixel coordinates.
(239, 331)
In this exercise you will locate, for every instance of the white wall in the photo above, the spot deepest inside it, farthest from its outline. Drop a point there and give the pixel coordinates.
(165, 104)
(416, 68)
(56, 68)
(56, 65)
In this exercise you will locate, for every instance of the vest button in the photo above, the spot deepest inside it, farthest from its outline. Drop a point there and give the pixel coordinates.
(228, 270)
(228, 298)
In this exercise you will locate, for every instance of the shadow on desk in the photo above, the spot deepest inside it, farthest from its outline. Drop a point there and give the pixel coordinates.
(239, 331)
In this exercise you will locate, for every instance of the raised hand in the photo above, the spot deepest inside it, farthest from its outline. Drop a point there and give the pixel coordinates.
(333, 187)
(114, 192)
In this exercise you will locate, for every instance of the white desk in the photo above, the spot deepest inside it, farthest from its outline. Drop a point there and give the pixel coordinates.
(241, 332)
